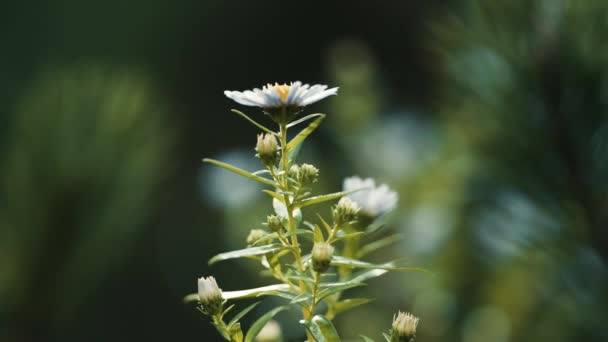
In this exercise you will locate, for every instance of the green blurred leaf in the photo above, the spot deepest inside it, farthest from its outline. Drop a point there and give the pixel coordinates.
(322, 329)
(261, 322)
(353, 263)
(378, 244)
(318, 235)
(336, 287)
(240, 172)
(366, 339)
(247, 252)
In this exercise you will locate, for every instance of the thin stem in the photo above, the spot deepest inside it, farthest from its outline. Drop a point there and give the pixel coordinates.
(315, 289)
(221, 326)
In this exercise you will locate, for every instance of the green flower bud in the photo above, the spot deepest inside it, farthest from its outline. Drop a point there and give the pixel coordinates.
(308, 174)
(321, 256)
(210, 296)
(294, 172)
(255, 235)
(404, 327)
(236, 333)
(267, 149)
(345, 211)
(274, 223)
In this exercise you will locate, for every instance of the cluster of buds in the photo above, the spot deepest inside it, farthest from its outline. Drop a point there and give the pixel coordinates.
(321, 256)
(255, 235)
(267, 149)
(304, 174)
(404, 327)
(210, 296)
(345, 211)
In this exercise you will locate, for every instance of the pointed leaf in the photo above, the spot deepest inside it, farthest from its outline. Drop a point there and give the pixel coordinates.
(306, 118)
(336, 287)
(322, 329)
(378, 244)
(353, 263)
(299, 138)
(369, 274)
(318, 235)
(328, 228)
(348, 236)
(242, 314)
(240, 172)
(348, 304)
(261, 322)
(260, 126)
(320, 199)
(366, 339)
(249, 293)
(247, 252)
(386, 337)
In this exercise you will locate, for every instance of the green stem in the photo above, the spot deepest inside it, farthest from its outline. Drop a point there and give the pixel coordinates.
(315, 289)
(221, 326)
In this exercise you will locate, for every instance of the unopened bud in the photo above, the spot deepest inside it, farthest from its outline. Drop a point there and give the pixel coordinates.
(210, 296)
(321, 256)
(267, 149)
(255, 235)
(308, 174)
(294, 172)
(274, 223)
(404, 327)
(345, 211)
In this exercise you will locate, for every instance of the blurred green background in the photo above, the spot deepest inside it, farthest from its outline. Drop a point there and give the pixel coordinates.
(488, 117)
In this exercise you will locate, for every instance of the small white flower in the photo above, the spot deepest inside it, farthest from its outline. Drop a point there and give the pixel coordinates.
(271, 96)
(404, 327)
(373, 201)
(210, 295)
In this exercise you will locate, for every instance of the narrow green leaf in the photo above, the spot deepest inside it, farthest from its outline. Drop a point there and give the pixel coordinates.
(240, 172)
(322, 329)
(249, 293)
(260, 126)
(318, 235)
(247, 252)
(386, 337)
(366, 339)
(261, 322)
(348, 304)
(275, 195)
(348, 236)
(320, 199)
(353, 263)
(299, 138)
(306, 118)
(242, 314)
(336, 287)
(328, 228)
(369, 274)
(378, 244)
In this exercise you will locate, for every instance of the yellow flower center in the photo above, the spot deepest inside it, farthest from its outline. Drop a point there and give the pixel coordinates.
(283, 90)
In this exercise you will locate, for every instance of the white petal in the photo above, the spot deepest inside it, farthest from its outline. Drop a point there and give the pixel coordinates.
(319, 96)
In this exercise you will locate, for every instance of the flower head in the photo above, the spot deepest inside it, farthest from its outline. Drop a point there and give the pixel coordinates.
(321, 256)
(345, 211)
(373, 200)
(404, 327)
(294, 94)
(210, 295)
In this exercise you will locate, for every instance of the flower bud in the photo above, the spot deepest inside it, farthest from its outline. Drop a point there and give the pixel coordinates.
(294, 172)
(274, 223)
(321, 256)
(404, 327)
(345, 211)
(271, 332)
(255, 235)
(308, 174)
(236, 333)
(210, 296)
(267, 149)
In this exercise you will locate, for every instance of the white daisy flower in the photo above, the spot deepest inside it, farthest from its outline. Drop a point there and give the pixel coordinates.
(373, 200)
(275, 96)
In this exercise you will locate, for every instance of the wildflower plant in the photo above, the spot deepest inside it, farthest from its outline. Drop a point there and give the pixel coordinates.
(312, 260)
